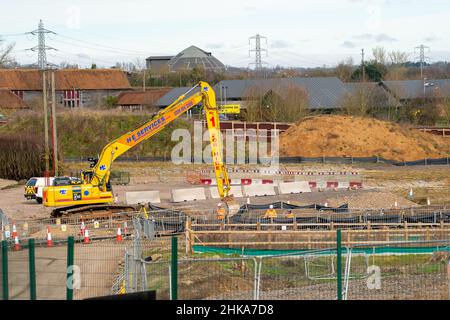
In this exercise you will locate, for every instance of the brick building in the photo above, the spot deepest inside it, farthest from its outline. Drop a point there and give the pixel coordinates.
(74, 87)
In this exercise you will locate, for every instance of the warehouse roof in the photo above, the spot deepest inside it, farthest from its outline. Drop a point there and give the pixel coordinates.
(323, 92)
(173, 94)
(9, 100)
(194, 56)
(414, 89)
(66, 79)
(148, 97)
(159, 58)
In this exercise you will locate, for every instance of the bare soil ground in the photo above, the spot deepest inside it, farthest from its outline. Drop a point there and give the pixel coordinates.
(383, 186)
(346, 136)
(405, 287)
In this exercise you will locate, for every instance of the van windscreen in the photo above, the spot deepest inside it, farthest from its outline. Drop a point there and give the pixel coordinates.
(31, 182)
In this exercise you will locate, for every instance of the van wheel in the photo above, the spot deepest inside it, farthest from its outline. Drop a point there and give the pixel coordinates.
(39, 200)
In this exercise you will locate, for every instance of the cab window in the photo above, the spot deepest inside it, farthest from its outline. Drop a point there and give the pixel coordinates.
(31, 182)
(61, 182)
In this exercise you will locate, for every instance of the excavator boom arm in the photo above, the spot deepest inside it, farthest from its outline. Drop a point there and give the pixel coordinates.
(114, 149)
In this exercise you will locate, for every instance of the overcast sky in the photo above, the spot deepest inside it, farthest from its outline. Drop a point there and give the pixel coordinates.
(304, 33)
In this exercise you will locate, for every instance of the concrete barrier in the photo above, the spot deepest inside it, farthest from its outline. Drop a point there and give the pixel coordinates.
(259, 190)
(293, 187)
(355, 185)
(142, 197)
(181, 195)
(321, 184)
(344, 185)
(236, 191)
(332, 184)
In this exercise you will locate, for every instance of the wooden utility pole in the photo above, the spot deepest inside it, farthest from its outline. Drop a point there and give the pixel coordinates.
(54, 136)
(47, 153)
(363, 66)
(143, 79)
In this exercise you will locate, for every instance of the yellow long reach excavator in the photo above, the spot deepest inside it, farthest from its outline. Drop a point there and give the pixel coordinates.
(95, 191)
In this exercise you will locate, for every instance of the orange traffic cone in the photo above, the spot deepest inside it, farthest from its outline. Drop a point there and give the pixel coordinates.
(125, 226)
(49, 238)
(16, 243)
(15, 237)
(119, 234)
(86, 236)
(82, 228)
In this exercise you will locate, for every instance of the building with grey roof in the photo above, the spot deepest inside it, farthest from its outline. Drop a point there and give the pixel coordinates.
(374, 93)
(173, 94)
(157, 63)
(407, 90)
(324, 93)
(187, 59)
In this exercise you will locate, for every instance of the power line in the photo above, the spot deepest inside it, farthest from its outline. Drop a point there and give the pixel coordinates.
(103, 46)
(301, 58)
(71, 57)
(97, 49)
(12, 35)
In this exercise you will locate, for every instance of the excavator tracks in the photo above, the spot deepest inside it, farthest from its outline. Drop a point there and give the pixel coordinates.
(93, 211)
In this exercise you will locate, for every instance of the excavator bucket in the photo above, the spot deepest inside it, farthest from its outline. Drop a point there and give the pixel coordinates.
(232, 205)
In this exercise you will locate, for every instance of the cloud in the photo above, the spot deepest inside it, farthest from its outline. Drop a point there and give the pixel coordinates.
(83, 56)
(279, 44)
(381, 37)
(430, 39)
(215, 45)
(349, 44)
(365, 36)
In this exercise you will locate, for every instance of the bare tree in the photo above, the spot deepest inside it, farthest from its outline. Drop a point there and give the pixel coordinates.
(442, 101)
(125, 66)
(398, 57)
(367, 99)
(396, 72)
(67, 65)
(379, 55)
(5, 54)
(284, 102)
(344, 69)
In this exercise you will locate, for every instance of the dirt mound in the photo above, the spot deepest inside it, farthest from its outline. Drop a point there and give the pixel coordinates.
(347, 136)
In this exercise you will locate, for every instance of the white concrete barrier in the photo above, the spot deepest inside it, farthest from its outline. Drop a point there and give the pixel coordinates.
(293, 187)
(236, 191)
(259, 190)
(343, 185)
(321, 184)
(136, 197)
(181, 195)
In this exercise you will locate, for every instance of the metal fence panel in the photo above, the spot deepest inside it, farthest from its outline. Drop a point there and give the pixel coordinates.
(99, 264)
(301, 276)
(400, 271)
(18, 275)
(217, 279)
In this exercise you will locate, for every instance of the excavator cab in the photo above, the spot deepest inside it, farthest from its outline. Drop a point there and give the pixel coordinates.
(86, 176)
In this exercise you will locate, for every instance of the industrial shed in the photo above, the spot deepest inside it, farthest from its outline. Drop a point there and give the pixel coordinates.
(187, 59)
(140, 100)
(9, 101)
(74, 87)
(324, 93)
(410, 90)
(172, 95)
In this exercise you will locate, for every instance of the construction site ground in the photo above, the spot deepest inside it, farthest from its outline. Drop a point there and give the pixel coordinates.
(383, 185)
